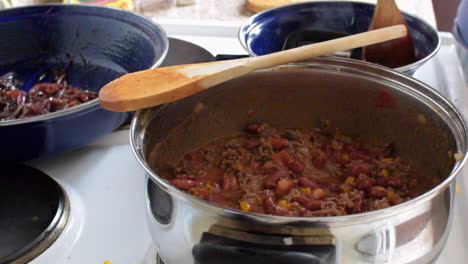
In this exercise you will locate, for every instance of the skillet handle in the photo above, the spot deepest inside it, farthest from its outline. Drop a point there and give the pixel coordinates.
(229, 251)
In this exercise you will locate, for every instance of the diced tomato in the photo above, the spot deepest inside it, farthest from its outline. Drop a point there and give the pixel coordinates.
(183, 184)
(279, 143)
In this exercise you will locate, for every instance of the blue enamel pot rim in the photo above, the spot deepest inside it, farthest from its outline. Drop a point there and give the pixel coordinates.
(95, 102)
(405, 68)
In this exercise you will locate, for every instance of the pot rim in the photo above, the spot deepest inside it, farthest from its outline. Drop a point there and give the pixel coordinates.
(95, 102)
(340, 65)
(406, 68)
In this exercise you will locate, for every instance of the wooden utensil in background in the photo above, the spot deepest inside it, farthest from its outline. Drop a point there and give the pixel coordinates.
(395, 53)
(162, 85)
(260, 5)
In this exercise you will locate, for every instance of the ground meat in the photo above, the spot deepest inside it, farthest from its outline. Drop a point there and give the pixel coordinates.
(41, 99)
(297, 172)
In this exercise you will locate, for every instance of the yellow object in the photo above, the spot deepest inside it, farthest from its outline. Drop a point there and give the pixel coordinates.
(124, 4)
(345, 156)
(283, 203)
(457, 188)
(306, 190)
(384, 172)
(349, 180)
(260, 5)
(390, 194)
(208, 186)
(107, 262)
(387, 159)
(245, 206)
(345, 187)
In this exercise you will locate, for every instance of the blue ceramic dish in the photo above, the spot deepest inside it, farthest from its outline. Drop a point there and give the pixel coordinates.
(103, 44)
(266, 32)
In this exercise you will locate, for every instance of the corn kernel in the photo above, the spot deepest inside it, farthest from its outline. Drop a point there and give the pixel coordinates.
(245, 206)
(390, 195)
(387, 159)
(107, 262)
(349, 180)
(346, 187)
(305, 190)
(345, 156)
(384, 172)
(283, 203)
(238, 165)
(208, 186)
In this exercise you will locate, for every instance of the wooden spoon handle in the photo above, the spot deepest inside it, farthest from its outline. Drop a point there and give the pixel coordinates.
(162, 85)
(327, 47)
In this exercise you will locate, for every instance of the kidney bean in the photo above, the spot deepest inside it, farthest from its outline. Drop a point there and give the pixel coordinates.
(309, 204)
(283, 187)
(355, 169)
(319, 158)
(279, 143)
(338, 157)
(394, 181)
(291, 135)
(357, 205)
(360, 155)
(183, 184)
(295, 166)
(253, 128)
(251, 143)
(307, 183)
(333, 187)
(283, 157)
(377, 192)
(229, 182)
(271, 179)
(50, 88)
(269, 205)
(363, 182)
(349, 147)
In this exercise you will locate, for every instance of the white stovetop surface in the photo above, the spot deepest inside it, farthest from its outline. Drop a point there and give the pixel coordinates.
(106, 185)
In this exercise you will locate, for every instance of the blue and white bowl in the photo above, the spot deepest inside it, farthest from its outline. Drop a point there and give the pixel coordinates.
(104, 44)
(266, 32)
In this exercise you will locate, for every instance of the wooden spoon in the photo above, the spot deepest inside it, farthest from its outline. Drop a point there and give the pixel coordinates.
(162, 85)
(395, 53)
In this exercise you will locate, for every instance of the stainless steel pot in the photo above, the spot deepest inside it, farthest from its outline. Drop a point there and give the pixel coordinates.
(425, 128)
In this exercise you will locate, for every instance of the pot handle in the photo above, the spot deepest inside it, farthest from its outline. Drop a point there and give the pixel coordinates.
(214, 249)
